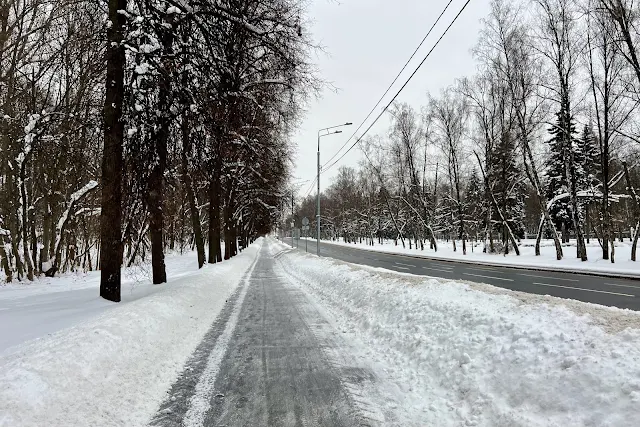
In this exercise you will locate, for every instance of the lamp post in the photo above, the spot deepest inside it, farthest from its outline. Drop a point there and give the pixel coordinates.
(321, 133)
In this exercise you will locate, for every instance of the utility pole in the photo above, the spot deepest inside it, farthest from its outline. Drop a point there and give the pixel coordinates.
(318, 203)
(318, 179)
(292, 221)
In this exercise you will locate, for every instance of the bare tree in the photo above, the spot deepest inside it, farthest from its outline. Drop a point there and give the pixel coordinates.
(560, 45)
(449, 113)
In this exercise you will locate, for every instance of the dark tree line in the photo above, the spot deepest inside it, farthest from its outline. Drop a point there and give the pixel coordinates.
(163, 127)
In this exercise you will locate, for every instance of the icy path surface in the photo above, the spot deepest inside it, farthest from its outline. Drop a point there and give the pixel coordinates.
(283, 364)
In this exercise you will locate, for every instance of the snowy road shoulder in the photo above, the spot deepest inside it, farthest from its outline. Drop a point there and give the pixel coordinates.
(479, 355)
(114, 369)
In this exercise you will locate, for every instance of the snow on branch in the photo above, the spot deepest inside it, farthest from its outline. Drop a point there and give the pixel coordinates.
(64, 220)
(265, 82)
(238, 20)
(586, 194)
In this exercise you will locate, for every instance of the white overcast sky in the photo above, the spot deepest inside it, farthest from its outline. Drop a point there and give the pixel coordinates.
(367, 42)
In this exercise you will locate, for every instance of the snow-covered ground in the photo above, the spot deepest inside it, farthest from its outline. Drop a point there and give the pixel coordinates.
(444, 353)
(454, 353)
(69, 358)
(547, 259)
(46, 305)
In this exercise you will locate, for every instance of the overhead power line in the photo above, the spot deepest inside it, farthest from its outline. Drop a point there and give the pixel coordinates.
(401, 89)
(392, 83)
(306, 193)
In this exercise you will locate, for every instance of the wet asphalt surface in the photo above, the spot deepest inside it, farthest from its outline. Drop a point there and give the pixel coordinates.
(276, 370)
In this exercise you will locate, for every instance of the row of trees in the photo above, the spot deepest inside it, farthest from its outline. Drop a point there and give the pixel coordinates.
(542, 141)
(164, 126)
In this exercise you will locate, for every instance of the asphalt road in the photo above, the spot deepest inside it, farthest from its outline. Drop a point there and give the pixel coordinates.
(273, 369)
(617, 292)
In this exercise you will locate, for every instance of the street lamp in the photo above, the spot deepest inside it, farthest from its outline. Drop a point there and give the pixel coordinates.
(321, 133)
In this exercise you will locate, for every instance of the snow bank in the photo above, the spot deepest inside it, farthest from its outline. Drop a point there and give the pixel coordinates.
(461, 356)
(114, 369)
(623, 267)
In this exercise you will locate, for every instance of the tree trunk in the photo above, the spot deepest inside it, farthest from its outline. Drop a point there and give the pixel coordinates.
(498, 210)
(156, 178)
(586, 224)
(636, 209)
(215, 251)
(634, 245)
(532, 174)
(227, 230)
(25, 224)
(14, 229)
(191, 196)
(112, 162)
(234, 238)
(134, 247)
(539, 236)
(613, 250)
(45, 254)
(4, 262)
(569, 162)
(461, 234)
(34, 240)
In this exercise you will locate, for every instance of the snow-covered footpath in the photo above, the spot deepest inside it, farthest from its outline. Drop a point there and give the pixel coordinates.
(111, 368)
(464, 354)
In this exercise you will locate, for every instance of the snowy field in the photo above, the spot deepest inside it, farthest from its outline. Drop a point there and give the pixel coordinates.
(461, 354)
(69, 358)
(623, 266)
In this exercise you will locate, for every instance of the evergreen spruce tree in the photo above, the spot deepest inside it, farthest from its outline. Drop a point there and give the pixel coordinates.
(590, 157)
(474, 197)
(556, 175)
(508, 186)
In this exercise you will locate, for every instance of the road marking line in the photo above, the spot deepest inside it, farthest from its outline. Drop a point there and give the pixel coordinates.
(583, 289)
(483, 268)
(442, 265)
(406, 265)
(437, 269)
(547, 277)
(489, 277)
(623, 286)
(401, 268)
